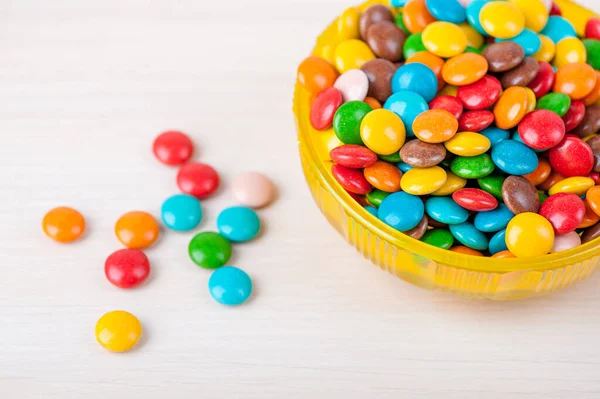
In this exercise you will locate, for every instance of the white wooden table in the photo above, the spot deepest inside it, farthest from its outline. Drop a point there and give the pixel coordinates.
(84, 88)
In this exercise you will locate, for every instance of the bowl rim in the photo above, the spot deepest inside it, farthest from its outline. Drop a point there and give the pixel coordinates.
(392, 236)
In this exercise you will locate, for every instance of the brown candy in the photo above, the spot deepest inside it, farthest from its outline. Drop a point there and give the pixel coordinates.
(590, 233)
(503, 56)
(520, 195)
(419, 154)
(522, 74)
(596, 167)
(386, 40)
(419, 230)
(590, 123)
(379, 72)
(594, 143)
(375, 13)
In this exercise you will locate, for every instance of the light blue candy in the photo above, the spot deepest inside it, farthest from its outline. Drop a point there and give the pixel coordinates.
(416, 77)
(446, 10)
(528, 39)
(372, 210)
(181, 212)
(401, 211)
(230, 286)
(514, 158)
(469, 236)
(517, 137)
(404, 167)
(498, 242)
(495, 134)
(473, 10)
(494, 220)
(445, 210)
(557, 28)
(398, 3)
(407, 105)
(238, 224)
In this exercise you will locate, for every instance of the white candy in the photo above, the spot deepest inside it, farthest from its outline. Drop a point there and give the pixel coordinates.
(353, 85)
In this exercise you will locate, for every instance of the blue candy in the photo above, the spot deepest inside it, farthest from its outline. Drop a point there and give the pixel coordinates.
(495, 134)
(528, 39)
(446, 10)
(398, 3)
(557, 28)
(494, 220)
(498, 242)
(229, 285)
(416, 77)
(401, 211)
(372, 210)
(238, 224)
(445, 210)
(469, 236)
(514, 158)
(404, 167)
(181, 212)
(473, 10)
(407, 105)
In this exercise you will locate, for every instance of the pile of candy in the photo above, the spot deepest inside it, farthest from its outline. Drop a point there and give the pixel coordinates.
(467, 122)
(119, 330)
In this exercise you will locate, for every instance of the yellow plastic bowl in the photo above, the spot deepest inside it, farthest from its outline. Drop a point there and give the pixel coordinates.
(412, 260)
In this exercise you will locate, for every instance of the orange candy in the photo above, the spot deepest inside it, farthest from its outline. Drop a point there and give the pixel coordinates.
(461, 249)
(63, 224)
(575, 80)
(503, 255)
(435, 126)
(552, 179)
(137, 229)
(541, 173)
(464, 69)
(384, 176)
(431, 60)
(511, 107)
(316, 74)
(416, 17)
(590, 218)
(592, 197)
(373, 103)
(594, 95)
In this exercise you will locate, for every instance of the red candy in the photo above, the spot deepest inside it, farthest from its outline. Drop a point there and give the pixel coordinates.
(572, 157)
(564, 211)
(475, 121)
(324, 107)
(197, 179)
(555, 10)
(352, 180)
(574, 115)
(448, 103)
(543, 81)
(475, 199)
(353, 156)
(542, 129)
(173, 147)
(595, 176)
(481, 94)
(592, 28)
(127, 268)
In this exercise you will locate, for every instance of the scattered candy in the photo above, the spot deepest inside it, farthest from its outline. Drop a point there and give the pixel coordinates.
(63, 224)
(230, 286)
(198, 179)
(181, 212)
(238, 224)
(209, 250)
(173, 148)
(254, 190)
(127, 268)
(118, 331)
(137, 229)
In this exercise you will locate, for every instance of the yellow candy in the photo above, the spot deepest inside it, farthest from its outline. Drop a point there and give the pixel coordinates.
(352, 54)
(118, 331)
(468, 144)
(448, 90)
(423, 181)
(453, 183)
(569, 51)
(501, 19)
(382, 131)
(535, 13)
(347, 24)
(324, 142)
(531, 100)
(575, 185)
(529, 234)
(474, 38)
(444, 39)
(327, 52)
(547, 49)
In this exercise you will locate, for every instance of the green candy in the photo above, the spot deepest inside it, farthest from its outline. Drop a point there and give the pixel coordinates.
(375, 197)
(400, 23)
(556, 102)
(492, 185)
(209, 250)
(472, 167)
(347, 119)
(446, 162)
(413, 45)
(438, 238)
(543, 196)
(592, 47)
(470, 49)
(393, 157)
